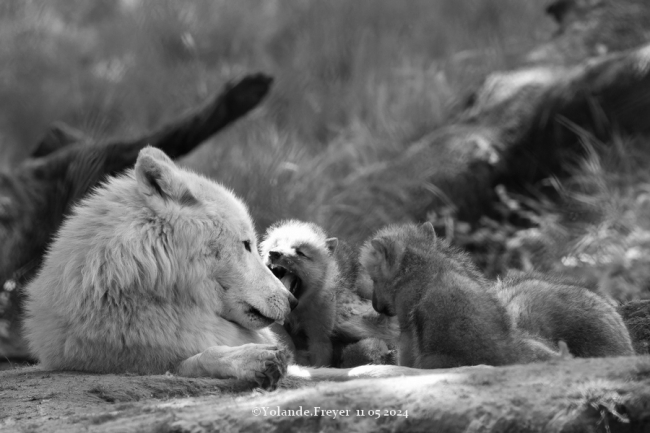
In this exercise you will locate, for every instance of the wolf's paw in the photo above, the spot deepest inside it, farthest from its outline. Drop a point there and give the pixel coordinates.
(274, 369)
(265, 364)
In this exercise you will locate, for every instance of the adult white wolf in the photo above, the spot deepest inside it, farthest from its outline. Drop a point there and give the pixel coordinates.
(158, 270)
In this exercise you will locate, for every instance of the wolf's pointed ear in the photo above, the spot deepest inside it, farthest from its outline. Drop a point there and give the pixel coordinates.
(429, 231)
(156, 175)
(331, 244)
(390, 253)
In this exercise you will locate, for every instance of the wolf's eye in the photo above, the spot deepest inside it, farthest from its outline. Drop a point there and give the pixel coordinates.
(247, 245)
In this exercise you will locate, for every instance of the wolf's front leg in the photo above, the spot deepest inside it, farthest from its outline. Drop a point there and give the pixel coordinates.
(265, 364)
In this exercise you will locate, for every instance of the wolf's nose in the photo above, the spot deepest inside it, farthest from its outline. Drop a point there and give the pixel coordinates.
(293, 302)
(274, 255)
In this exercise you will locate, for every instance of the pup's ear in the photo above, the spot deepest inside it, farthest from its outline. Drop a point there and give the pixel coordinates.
(156, 177)
(429, 231)
(331, 244)
(389, 254)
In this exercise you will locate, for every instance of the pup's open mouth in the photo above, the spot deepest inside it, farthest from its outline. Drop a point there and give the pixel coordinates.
(290, 280)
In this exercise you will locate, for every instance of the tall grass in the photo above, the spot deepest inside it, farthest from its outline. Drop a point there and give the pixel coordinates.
(613, 249)
(388, 70)
(356, 80)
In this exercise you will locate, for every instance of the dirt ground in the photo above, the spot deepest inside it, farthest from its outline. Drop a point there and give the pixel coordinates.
(579, 395)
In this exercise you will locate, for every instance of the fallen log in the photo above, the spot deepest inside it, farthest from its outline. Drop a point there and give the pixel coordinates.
(576, 395)
(523, 126)
(592, 28)
(36, 196)
(58, 136)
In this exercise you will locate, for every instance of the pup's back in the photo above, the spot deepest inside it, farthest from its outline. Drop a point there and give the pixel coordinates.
(560, 310)
(458, 318)
(446, 314)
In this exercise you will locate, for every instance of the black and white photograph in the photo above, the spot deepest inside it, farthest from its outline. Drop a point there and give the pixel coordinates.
(325, 216)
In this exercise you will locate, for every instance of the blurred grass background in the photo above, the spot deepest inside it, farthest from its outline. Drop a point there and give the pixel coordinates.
(356, 82)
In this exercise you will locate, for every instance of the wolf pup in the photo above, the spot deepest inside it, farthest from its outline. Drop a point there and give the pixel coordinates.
(157, 271)
(560, 310)
(321, 272)
(447, 316)
(302, 257)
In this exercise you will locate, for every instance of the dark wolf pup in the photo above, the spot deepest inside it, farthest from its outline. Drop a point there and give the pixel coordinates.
(560, 310)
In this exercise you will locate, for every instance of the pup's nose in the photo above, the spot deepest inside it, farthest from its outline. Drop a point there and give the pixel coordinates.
(274, 255)
(293, 302)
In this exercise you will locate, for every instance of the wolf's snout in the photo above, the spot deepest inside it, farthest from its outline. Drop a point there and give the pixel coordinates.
(275, 255)
(293, 302)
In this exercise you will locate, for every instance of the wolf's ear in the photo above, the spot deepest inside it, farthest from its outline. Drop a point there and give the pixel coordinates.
(156, 175)
(331, 244)
(390, 253)
(429, 231)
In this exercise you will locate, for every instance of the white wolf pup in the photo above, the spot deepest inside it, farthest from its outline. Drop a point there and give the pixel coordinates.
(305, 258)
(321, 272)
(158, 271)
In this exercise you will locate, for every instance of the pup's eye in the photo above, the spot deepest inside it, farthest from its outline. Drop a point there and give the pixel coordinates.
(247, 245)
(300, 253)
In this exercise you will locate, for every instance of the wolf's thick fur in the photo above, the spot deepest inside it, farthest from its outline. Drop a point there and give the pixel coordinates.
(322, 272)
(447, 315)
(158, 270)
(560, 310)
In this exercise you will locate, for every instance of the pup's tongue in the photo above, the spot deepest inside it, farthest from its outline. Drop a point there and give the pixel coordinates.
(290, 281)
(287, 280)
